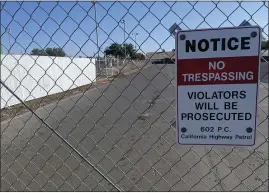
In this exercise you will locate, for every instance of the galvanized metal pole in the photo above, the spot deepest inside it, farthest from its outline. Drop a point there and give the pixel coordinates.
(135, 41)
(135, 34)
(124, 40)
(9, 40)
(123, 21)
(97, 38)
(267, 43)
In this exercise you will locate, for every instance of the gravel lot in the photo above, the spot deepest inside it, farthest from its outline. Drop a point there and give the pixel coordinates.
(125, 130)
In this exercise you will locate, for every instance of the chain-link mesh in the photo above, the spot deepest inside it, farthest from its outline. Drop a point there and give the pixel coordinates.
(116, 132)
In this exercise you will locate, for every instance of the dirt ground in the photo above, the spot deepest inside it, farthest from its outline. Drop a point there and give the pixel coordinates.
(18, 109)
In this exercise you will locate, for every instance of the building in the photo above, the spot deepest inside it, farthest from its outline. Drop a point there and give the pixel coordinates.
(246, 23)
(163, 57)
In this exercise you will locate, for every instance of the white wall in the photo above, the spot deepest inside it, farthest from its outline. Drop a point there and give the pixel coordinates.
(33, 77)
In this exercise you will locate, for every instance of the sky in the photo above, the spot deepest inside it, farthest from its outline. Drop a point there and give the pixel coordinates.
(72, 25)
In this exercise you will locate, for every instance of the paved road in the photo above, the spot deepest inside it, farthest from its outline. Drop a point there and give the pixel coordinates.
(126, 130)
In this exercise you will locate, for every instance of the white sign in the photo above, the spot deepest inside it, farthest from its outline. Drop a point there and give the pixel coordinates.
(217, 85)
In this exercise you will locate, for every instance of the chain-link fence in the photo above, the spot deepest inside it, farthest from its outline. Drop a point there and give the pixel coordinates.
(117, 133)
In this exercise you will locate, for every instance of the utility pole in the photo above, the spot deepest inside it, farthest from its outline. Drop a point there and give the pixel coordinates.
(1, 7)
(123, 21)
(8, 31)
(96, 31)
(135, 34)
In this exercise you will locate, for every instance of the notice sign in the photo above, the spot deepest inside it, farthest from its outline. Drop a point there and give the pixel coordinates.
(217, 85)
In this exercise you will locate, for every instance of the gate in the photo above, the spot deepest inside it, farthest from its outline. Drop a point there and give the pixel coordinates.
(113, 133)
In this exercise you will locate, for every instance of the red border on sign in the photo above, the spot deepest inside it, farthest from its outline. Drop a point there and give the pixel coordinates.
(177, 63)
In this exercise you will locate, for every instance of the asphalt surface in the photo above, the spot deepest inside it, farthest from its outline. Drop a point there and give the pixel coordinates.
(126, 130)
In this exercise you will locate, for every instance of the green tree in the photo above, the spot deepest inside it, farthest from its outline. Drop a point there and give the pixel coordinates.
(265, 45)
(55, 52)
(48, 52)
(118, 50)
(38, 52)
(115, 50)
(130, 51)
